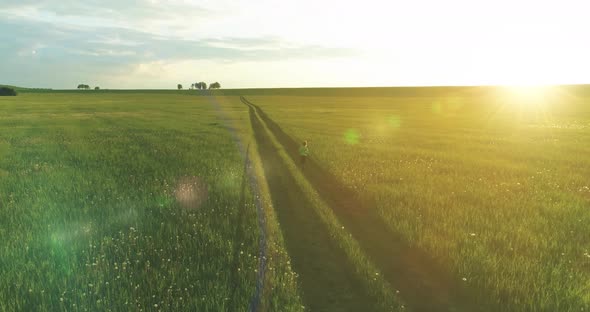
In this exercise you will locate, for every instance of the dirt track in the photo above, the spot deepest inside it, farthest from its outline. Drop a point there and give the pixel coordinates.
(326, 275)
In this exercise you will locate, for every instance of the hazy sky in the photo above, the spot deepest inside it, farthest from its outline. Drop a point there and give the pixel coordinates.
(285, 43)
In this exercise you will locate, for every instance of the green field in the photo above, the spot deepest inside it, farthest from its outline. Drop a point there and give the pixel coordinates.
(114, 202)
(414, 199)
(493, 186)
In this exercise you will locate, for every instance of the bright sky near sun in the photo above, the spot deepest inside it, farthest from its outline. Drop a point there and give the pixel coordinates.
(286, 43)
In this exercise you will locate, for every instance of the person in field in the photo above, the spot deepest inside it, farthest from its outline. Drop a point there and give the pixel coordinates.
(303, 153)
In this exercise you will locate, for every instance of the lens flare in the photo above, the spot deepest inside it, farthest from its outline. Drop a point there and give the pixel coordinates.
(394, 121)
(191, 192)
(436, 108)
(352, 136)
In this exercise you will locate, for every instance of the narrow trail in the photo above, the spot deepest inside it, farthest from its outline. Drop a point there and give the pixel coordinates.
(422, 283)
(327, 277)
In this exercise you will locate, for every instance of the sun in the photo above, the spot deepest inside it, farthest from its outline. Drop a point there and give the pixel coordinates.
(528, 95)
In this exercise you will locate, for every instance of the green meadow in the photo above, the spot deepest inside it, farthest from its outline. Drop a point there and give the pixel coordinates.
(413, 199)
(115, 202)
(493, 184)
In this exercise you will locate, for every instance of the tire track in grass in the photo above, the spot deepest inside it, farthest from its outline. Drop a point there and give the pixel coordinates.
(326, 275)
(255, 302)
(423, 284)
(239, 229)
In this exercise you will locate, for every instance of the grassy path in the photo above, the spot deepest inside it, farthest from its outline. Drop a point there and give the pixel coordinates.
(326, 275)
(422, 284)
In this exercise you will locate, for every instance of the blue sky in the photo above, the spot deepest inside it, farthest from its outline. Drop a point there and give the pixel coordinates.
(262, 43)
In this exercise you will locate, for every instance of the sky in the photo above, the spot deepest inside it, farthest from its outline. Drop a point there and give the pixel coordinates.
(156, 44)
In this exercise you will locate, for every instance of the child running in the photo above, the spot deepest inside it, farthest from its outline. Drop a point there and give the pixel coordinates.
(303, 152)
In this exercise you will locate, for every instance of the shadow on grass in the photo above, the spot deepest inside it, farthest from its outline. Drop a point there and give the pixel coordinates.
(422, 282)
(239, 228)
(326, 276)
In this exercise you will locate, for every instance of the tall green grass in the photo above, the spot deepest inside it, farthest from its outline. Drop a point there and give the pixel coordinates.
(89, 216)
(494, 187)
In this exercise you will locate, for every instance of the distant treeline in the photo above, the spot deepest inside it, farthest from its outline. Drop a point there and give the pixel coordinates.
(6, 91)
(201, 86)
(24, 90)
(573, 90)
(86, 87)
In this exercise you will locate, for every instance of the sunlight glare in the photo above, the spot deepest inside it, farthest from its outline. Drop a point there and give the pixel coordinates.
(528, 95)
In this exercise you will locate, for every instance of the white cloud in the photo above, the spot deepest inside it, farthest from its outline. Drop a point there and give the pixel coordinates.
(301, 42)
